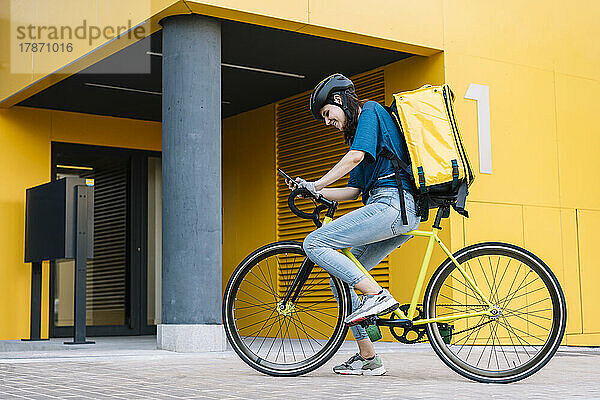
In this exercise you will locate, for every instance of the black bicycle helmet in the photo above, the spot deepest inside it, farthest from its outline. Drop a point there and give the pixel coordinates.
(323, 94)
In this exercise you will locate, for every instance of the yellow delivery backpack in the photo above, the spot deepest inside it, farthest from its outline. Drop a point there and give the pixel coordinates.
(439, 164)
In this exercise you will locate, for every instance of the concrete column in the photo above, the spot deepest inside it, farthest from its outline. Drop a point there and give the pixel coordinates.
(191, 191)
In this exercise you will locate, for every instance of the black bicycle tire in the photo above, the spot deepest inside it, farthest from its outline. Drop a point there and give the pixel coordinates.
(233, 338)
(548, 277)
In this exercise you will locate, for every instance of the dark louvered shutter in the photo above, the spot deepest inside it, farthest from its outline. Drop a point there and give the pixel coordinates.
(308, 148)
(107, 271)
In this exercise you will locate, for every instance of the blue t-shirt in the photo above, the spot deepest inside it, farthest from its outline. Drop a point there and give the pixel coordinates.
(375, 131)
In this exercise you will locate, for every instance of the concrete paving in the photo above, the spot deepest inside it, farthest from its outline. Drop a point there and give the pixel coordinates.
(132, 368)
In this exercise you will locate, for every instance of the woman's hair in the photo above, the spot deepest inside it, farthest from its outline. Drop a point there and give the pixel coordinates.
(354, 105)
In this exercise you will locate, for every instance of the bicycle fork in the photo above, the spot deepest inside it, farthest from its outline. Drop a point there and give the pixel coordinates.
(286, 305)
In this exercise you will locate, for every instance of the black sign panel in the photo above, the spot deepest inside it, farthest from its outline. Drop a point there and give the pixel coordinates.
(50, 221)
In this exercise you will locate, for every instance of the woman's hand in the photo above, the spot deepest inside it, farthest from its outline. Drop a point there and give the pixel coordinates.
(301, 183)
(310, 186)
(291, 184)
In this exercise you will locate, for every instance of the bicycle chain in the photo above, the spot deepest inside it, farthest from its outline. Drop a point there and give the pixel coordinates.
(456, 333)
(421, 330)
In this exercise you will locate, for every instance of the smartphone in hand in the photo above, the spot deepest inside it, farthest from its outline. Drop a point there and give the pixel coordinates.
(284, 175)
(288, 179)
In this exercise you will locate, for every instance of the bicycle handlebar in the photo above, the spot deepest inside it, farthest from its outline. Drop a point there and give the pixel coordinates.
(325, 204)
(314, 216)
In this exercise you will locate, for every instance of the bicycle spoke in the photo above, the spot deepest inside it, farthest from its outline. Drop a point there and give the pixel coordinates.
(513, 329)
(501, 278)
(472, 274)
(525, 294)
(484, 275)
(318, 311)
(298, 335)
(317, 318)
(267, 335)
(328, 303)
(494, 274)
(269, 289)
(455, 311)
(272, 316)
(313, 328)
(308, 336)
(269, 271)
(323, 308)
(504, 301)
(460, 291)
(258, 287)
(513, 281)
(243, 291)
(250, 315)
(510, 330)
(472, 331)
(502, 349)
(256, 323)
(483, 351)
(529, 322)
(513, 344)
(508, 312)
(282, 346)
(288, 321)
(278, 330)
(273, 287)
(306, 289)
(316, 292)
(251, 305)
(448, 298)
(494, 337)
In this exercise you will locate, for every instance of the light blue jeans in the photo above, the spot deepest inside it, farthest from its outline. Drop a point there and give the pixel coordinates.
(371, 232)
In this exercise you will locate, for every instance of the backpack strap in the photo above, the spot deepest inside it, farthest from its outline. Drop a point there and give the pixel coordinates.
(454, 175)
(461, 200)
(422, 185)
(398, 164)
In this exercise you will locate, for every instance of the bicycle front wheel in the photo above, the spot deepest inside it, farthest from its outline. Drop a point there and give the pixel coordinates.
(529, 306)
(295, 340)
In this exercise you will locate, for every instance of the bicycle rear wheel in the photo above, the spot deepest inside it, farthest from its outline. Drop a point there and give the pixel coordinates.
(287, 342)
(530, 321)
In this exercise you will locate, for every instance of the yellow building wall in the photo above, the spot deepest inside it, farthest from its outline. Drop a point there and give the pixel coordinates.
(25, 139)
(33, 72)
(248, 185)
(541, 65)
(405, 30)
(25, 150)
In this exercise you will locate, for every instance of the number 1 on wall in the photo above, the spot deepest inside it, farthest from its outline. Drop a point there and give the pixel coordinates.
(481, 94)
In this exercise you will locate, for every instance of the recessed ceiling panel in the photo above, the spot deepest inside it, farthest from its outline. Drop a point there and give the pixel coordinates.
(260, 66)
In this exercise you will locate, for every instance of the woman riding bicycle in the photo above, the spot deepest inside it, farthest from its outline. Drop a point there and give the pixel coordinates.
(372, 231)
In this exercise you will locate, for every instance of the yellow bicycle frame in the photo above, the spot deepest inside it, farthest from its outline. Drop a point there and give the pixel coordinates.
(433, 238)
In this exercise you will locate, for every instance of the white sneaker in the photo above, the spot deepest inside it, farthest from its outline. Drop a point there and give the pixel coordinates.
(375, 304)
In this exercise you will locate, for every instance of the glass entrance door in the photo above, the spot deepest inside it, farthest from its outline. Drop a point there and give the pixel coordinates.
(154, 269)
(118, 277)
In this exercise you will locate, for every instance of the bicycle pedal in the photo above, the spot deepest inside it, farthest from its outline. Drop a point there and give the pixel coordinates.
(369, 321)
